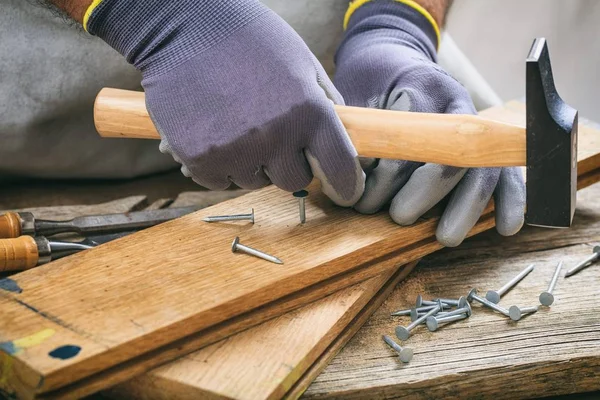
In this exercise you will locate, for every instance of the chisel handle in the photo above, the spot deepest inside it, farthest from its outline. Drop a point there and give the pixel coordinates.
(10, 225)
(458, 140)
(18, 254)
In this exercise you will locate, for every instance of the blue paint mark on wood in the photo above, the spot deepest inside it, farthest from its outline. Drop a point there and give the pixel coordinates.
(10, 285)
(65, 352)
(8, 348)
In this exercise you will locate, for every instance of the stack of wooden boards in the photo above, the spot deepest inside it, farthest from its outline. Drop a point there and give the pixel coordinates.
(143, 300)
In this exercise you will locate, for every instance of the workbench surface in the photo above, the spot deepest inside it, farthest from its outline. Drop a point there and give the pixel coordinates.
(555, 351)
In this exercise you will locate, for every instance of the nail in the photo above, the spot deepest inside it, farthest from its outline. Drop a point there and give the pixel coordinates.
(463, 310)
(433, 323)
(235, 217)
(301, 196)
(416, 313)
(420, 302)
(410, 310)
(405, 353)
(404, 332)
(237, 246)
(517, 313)
(547, 298)
(448, 301)
(495, 295)
(585, 263)
(473, 296)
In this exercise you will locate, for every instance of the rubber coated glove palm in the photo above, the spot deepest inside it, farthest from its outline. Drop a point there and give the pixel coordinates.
(387, 61)
(235, 94)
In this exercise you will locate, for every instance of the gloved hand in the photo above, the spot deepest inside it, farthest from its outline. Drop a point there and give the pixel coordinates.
(387, 60)
(235, 94)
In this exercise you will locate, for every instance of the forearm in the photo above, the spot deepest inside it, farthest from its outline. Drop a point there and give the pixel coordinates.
(437, 8)
(74, 8)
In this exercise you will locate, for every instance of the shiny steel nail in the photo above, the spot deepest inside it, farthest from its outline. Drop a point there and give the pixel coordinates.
(301, 196)
(495, 295)
(585, 263)
(237, 246)
(404, 332)
(517, 313)
(235, 217)
(404, 353)
(547, 298)
(473, 296)
(433, 323)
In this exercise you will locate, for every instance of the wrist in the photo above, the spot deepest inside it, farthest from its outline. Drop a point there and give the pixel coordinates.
(156, 35)
(403, 21)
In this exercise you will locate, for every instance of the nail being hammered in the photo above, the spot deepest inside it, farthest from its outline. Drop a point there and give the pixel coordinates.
(301, 196)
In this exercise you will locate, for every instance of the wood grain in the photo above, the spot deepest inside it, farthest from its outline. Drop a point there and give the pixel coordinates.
(265, 361)
(555, 351)
(134, 304)
(458, 140)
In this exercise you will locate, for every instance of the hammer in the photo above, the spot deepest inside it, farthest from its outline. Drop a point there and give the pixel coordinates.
(547, 146)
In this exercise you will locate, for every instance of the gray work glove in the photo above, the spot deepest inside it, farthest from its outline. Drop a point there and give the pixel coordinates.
(235, 94)
(387, 60)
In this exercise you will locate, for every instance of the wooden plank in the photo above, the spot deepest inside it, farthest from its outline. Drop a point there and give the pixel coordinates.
(262, 362)
(162, 293)
(555, 351)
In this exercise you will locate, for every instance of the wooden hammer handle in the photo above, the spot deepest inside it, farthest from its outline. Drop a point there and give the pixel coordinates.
(457, 140)
(18, 254)
(10, 225)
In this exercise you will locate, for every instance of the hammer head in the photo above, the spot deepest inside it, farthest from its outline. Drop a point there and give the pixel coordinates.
(551, 146)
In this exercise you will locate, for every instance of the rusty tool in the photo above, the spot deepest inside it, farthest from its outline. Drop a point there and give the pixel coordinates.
(15, 224)
(25, 252)
(547, 145)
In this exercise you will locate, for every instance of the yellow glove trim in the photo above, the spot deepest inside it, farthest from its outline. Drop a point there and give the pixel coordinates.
(88, 13)
(356, 4)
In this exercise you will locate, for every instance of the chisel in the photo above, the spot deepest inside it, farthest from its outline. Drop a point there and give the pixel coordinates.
(15, 224)
(25, 252)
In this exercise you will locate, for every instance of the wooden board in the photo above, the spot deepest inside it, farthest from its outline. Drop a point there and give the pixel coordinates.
(161, 293)
(265, 361)
(553, 352)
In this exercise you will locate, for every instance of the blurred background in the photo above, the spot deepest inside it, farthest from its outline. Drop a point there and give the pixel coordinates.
(495, 35)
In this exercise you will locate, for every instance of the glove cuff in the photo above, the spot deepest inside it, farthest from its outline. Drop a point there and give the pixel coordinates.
(158, 35)
(404, 16)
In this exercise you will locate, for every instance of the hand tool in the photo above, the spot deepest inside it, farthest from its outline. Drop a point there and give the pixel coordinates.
(547, 298)
(495, 295)
(13, 225)
(25, 252)
(547, 145)
(585, 263)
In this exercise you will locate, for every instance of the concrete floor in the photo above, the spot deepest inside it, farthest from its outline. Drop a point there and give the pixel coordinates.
(496, 36)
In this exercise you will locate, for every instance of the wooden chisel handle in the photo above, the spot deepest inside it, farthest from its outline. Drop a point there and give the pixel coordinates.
(457, 140)
(18, 254)
(10, 225)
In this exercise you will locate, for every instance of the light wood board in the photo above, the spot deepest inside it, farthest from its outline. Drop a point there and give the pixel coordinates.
(265, 361)
(555, 351)
(172, 281)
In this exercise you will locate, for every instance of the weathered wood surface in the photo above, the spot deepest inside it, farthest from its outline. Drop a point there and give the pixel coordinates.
(555, 351)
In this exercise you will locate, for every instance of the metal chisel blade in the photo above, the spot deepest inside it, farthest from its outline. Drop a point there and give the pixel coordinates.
(111, 223)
